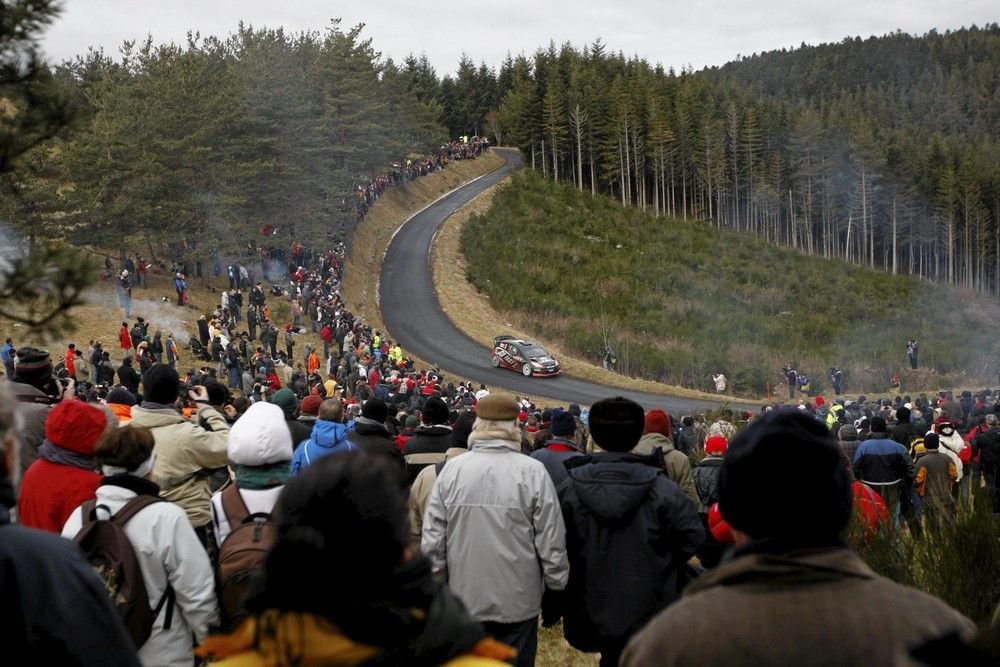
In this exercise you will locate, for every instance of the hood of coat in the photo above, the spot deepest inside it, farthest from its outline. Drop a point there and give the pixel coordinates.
(260, 437)
(656, 440)
(155, 417)
(328, 434)
(366, 426)
(612, 485)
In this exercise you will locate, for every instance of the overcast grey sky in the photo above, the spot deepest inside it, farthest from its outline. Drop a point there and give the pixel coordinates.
(673, 32)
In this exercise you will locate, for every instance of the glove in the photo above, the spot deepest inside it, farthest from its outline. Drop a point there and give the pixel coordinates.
(553, 603)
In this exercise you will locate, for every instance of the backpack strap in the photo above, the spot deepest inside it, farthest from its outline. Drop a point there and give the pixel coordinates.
(234, 506)
(133, 507)
(121, 517)
(89, 510)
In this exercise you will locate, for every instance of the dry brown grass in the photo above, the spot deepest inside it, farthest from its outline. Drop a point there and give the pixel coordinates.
(554, 650)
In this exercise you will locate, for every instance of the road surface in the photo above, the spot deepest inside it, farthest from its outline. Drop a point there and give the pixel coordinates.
(413, 317)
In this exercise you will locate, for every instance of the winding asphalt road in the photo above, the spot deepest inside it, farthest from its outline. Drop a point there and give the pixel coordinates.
(413, 317)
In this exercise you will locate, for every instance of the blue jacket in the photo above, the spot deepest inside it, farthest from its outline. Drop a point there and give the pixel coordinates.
(7, 353)
(882, 461)
(327, 437)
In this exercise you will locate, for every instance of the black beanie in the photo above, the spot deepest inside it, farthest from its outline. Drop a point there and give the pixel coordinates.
(160, 384)
(33, 367)
(435, 411)
(784, 477)
(616, 424)
(375, 409)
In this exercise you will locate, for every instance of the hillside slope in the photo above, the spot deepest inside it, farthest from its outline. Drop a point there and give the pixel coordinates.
(680, 301)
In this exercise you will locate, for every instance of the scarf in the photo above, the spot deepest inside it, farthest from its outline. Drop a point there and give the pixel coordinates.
(143, 470)
(53, 453)
(256, 478)
(142, 487)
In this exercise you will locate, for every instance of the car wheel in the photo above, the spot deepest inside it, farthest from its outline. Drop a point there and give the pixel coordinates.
(526, 370)
(495, 361)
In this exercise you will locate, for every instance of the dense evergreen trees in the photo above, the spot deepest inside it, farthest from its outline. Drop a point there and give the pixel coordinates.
(881, 151)
(198, 145)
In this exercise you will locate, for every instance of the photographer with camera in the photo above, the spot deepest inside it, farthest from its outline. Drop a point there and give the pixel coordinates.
(37, 390)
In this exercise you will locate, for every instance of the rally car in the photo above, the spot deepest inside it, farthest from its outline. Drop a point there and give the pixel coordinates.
(523, 356)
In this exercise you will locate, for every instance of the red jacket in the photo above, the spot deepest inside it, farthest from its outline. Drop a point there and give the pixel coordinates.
(871, 507)
(51, 491)
(69, 361)
(125, 338)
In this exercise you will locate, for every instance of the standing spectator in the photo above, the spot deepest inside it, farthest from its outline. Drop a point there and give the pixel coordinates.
(69, 361)
(792, 379)
(720, 383)
(128, 377)
(186, 449)
(54, 608)
(143, 269)
(368, 604)
(885, 465)
(289, 404)
(787, 496)
(371, 436)
(837, 380)
(329, 435)
(687, 436)
(629, 533)
(125, 292)
(561, 447)
(170, 347)
(125, 339)
(656, 435)
(35, 390)
(706, 483)
(494, 531)
(65, 473)
(986, 446)
(156, 347)
(431, 439)
(935, 481)
(168, 551)
(911, 353)
(7, 354)
(420, 491)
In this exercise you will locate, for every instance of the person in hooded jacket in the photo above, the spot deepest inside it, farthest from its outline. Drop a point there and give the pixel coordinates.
(951, 444)
(657, 434)
(561, 447)
(370, 604)
(66, 472)
(629, 533)
(793, 593)
(169, 552)
(371, 436)
(260, 454)
(847, 437)
(329, 435)
(706, 483)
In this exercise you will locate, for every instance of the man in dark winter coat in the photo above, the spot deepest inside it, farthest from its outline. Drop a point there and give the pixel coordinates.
(987, 446)
(884, 464)
(560, 447)
(373, 438)
(629, 534)
(128, 377)
(787, 495)
(904, 432)
(431, 440)
(706, 483)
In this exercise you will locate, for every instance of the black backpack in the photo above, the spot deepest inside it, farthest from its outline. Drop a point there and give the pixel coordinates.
(241, 554)
(110, 552)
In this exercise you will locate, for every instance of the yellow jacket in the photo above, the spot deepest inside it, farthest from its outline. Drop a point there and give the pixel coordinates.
(285, 638)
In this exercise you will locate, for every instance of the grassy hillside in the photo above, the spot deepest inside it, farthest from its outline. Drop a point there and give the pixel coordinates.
(680, 301)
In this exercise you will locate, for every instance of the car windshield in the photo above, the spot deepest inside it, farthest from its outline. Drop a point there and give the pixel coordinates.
(533, 351)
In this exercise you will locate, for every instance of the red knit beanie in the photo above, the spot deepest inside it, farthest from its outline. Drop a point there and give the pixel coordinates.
(76, 426)
(657, 421)
(716, 445)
